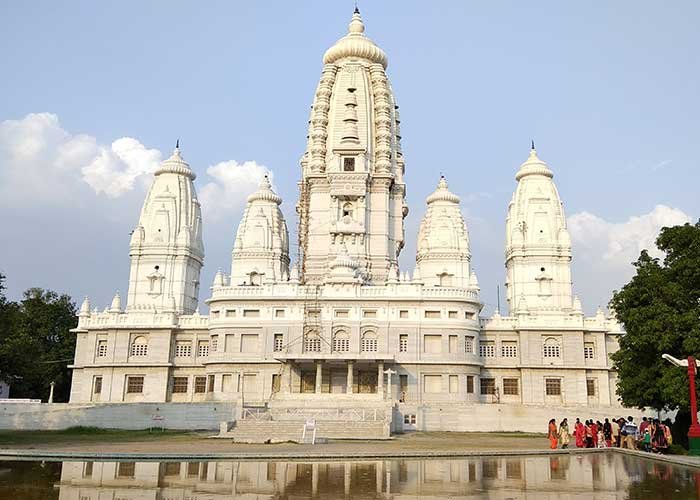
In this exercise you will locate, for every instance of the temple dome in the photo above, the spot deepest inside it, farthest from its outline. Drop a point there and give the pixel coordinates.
(265, 193)
(355, 44)
(176, 165)
(533, 166)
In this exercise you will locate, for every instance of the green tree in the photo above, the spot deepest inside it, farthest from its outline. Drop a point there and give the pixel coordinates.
(660, 311)
(36, 345)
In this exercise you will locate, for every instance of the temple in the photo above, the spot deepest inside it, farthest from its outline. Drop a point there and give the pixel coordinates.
(344, 336)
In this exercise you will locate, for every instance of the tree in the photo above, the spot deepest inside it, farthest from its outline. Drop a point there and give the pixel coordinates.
(660, 311)
(36, 345)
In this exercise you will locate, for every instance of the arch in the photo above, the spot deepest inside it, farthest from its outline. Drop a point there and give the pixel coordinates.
(347, 210)
(312, 341)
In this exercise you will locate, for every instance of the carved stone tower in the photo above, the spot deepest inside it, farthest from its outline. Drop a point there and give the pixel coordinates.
(352, 191)
(538, 246)
(166, 247)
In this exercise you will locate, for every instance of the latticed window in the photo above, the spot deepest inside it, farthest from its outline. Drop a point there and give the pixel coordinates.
(200, 385)
(341, 342)
(312, 342)
(488, 386)
(589, 350)
(98, 385)
(126, 469)
(139, 347)
(552, 387)
(487, 349)
(183, 349)
(590, 386)
(368, 342)
(179, 385)
(214, 343)
(403, 342)
(551, 348)
(510, 386)
(469, 345)
(101, 348)
(134, 385)
(509, 349)
(203, 348)
(278, 342)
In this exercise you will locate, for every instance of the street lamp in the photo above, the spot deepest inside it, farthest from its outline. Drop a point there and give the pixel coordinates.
(694, 431)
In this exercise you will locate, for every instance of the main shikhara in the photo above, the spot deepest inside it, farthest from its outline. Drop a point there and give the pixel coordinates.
(345, 329)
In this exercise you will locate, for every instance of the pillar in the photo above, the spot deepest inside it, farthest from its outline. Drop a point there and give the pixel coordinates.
(319, 376)
(350, 382)
(347, 477)
(380, 378)
(314, 479)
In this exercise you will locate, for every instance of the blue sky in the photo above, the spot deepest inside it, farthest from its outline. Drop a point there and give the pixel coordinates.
(608, 91)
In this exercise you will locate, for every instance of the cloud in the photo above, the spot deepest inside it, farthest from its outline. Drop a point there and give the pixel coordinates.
(42, 162)
(232, 184)
(604, 250)
(660, 165)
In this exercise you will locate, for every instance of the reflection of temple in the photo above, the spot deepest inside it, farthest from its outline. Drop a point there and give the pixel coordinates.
(562, 476)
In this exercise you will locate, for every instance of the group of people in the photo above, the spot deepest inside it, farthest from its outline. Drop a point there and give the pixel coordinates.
(651, 435)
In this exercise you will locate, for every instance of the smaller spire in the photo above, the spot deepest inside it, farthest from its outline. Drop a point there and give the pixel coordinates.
(532, 144)
(177, 143)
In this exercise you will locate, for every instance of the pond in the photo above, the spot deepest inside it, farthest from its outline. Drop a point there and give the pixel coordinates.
(576, 476)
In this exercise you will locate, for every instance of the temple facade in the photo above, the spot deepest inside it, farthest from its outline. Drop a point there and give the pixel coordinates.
(345, 328)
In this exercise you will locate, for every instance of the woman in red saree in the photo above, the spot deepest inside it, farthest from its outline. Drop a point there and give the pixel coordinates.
(580, 434)
(552, 434)
(594, 433)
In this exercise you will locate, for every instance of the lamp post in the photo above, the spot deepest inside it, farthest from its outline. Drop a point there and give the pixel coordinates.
(694, 430)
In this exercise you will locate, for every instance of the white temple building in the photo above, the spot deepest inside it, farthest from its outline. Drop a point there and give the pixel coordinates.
(344, 329)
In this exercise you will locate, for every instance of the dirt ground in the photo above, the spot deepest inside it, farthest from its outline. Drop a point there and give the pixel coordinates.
(199, 443)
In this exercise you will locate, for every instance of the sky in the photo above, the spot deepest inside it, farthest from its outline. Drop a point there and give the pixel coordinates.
(95, 94)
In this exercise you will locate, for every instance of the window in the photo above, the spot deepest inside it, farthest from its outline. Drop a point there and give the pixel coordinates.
(278, 343)
(341, 341)
(509, 349)
(87, 472)
(369, 314)
(214, 314)
(126, 469)
(552, 386)
(409, 419)
(469, 345)
(230, 313)
(134, 385)
(454, 384)
(403, 342)
(403, 314)
(590, 387)
(487, 349)
(214, 343)
(470, 384)
(453, 341)
(200, 385)
(183, 349)
(347, 210)
(193, 469)
(139, 346)
(589, 350)
(469, 315)
(203, 348)
(348, 164)
(510, 387)
(280, 313)
(171, 469)
(312, 342)
(432, 344)
(488, 386)
(251, 313)
(368, 342)
(97, 386)
(249, 343)
(432, 383)
(341, 313)
(101, 348)
(432, 314)
(551, 348)
(179, 385)
(230, 342)
(210, 383)
(452, 314)
(276, 382)
(513, 470)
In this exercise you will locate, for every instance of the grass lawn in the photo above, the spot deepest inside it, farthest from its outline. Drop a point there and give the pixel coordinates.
(89, 435)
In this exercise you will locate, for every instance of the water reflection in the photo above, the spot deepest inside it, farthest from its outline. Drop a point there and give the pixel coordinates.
(589, 476)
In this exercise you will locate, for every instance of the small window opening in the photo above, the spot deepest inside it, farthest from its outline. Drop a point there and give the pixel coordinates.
(348, 164)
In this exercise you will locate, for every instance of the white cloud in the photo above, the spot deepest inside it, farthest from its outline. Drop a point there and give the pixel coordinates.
(604, 251)
(42, 162)
(232, 184)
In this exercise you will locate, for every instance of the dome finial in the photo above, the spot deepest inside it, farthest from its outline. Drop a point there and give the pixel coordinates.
(177, 143)
(357, 9)
(532, 144)
(356, 24)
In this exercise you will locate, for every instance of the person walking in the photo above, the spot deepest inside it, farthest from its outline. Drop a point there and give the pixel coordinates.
(580, 434)
(615, 432)
(629, 432)
(552, 434)
(607, 433)
(564, 434)
(589, 434)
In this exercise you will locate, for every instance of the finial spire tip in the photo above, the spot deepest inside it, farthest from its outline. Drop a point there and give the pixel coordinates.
(532, 144)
